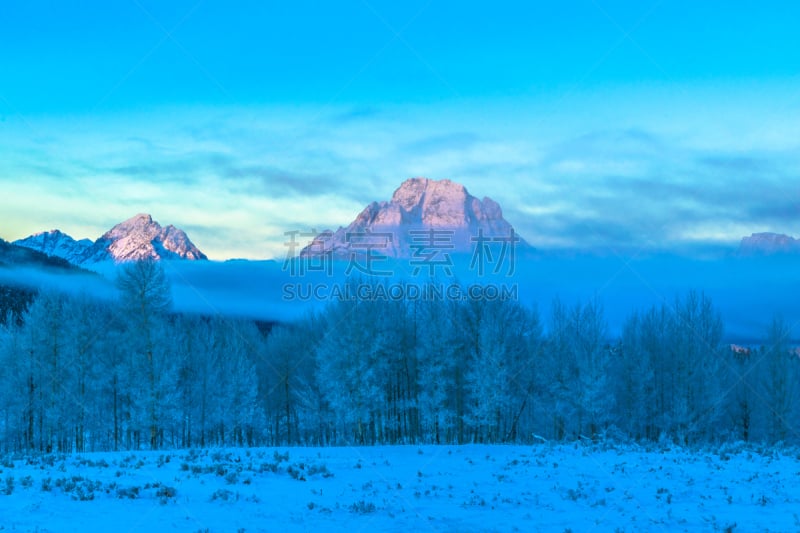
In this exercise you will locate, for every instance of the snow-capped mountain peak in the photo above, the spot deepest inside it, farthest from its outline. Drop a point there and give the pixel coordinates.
(419, 203)
(137, 238)
(58, 244)
(141, 237)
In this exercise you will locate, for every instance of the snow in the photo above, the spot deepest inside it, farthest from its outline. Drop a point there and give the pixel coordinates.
(578, 487)
(420, 203)
(139, 237)
(58, 244)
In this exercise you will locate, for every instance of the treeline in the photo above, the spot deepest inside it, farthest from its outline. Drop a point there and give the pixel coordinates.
(78, 374)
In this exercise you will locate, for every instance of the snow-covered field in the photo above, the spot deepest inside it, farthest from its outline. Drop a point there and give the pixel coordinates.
(405, 488)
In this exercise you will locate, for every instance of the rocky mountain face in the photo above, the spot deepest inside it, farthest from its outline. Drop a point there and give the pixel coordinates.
(141, 237)
(58, 244)
(137, 238)
(769, 244)
(403, 225)
(12, 255)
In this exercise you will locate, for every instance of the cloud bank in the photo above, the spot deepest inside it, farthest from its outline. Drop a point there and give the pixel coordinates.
(238, 179)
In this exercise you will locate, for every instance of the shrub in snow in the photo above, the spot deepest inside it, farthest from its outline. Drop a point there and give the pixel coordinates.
(279, 458)
(268, 467)
(128, 493)
(83, 492)
(362, 507)
(296, 473)
(165, 493)
(217, 457)
(314, 469)
(224, 495)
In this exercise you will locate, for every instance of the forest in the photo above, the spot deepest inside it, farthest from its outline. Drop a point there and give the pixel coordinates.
(79, 374)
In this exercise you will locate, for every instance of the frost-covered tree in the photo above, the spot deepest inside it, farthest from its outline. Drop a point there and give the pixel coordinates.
(194, 339)
(679, 346)
(694, 347)
(400, 420)
(779, 390)
(627, 388)
(500, 380)
(302, 402)
(276, 371)
(743, 395)
(13, 385)
(576, 371)
(438, 349)
(83, 374)
(557, 379)
(86, 322)
(643, 398)
(594, 392)
(145, 300)
(350, 370)
(236, 388)
(45, 336)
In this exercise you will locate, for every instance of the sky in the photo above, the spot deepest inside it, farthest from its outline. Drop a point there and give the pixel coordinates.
(594, 124)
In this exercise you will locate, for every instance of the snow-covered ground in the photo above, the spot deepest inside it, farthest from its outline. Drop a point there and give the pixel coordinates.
(405, 488)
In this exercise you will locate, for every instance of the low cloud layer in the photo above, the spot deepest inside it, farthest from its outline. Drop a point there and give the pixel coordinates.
(747, 292)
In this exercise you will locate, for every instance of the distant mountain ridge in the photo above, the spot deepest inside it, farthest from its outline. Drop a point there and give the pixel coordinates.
(422, 214)
(56, 243)
(137, 238)
(12, 255)
(768, 243)
(398, 227)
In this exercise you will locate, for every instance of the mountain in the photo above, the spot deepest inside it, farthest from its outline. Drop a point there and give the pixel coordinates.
(12, 255)
(141, 237)
(423, 216)
(58, 244)
(768, 243)
(137, 238)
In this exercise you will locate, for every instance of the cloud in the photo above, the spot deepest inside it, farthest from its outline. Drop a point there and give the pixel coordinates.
(240, 178)
(738, 164)
(622, 284)
(281, 182)
(75, 283)
(637, 188)
(783, 213)
(355, 114)
(458, 141)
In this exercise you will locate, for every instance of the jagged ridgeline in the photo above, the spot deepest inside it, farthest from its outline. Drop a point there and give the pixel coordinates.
(137, 238)
(419, 204)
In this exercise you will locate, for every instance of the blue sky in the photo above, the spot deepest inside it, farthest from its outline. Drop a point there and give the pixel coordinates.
(594, 124)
